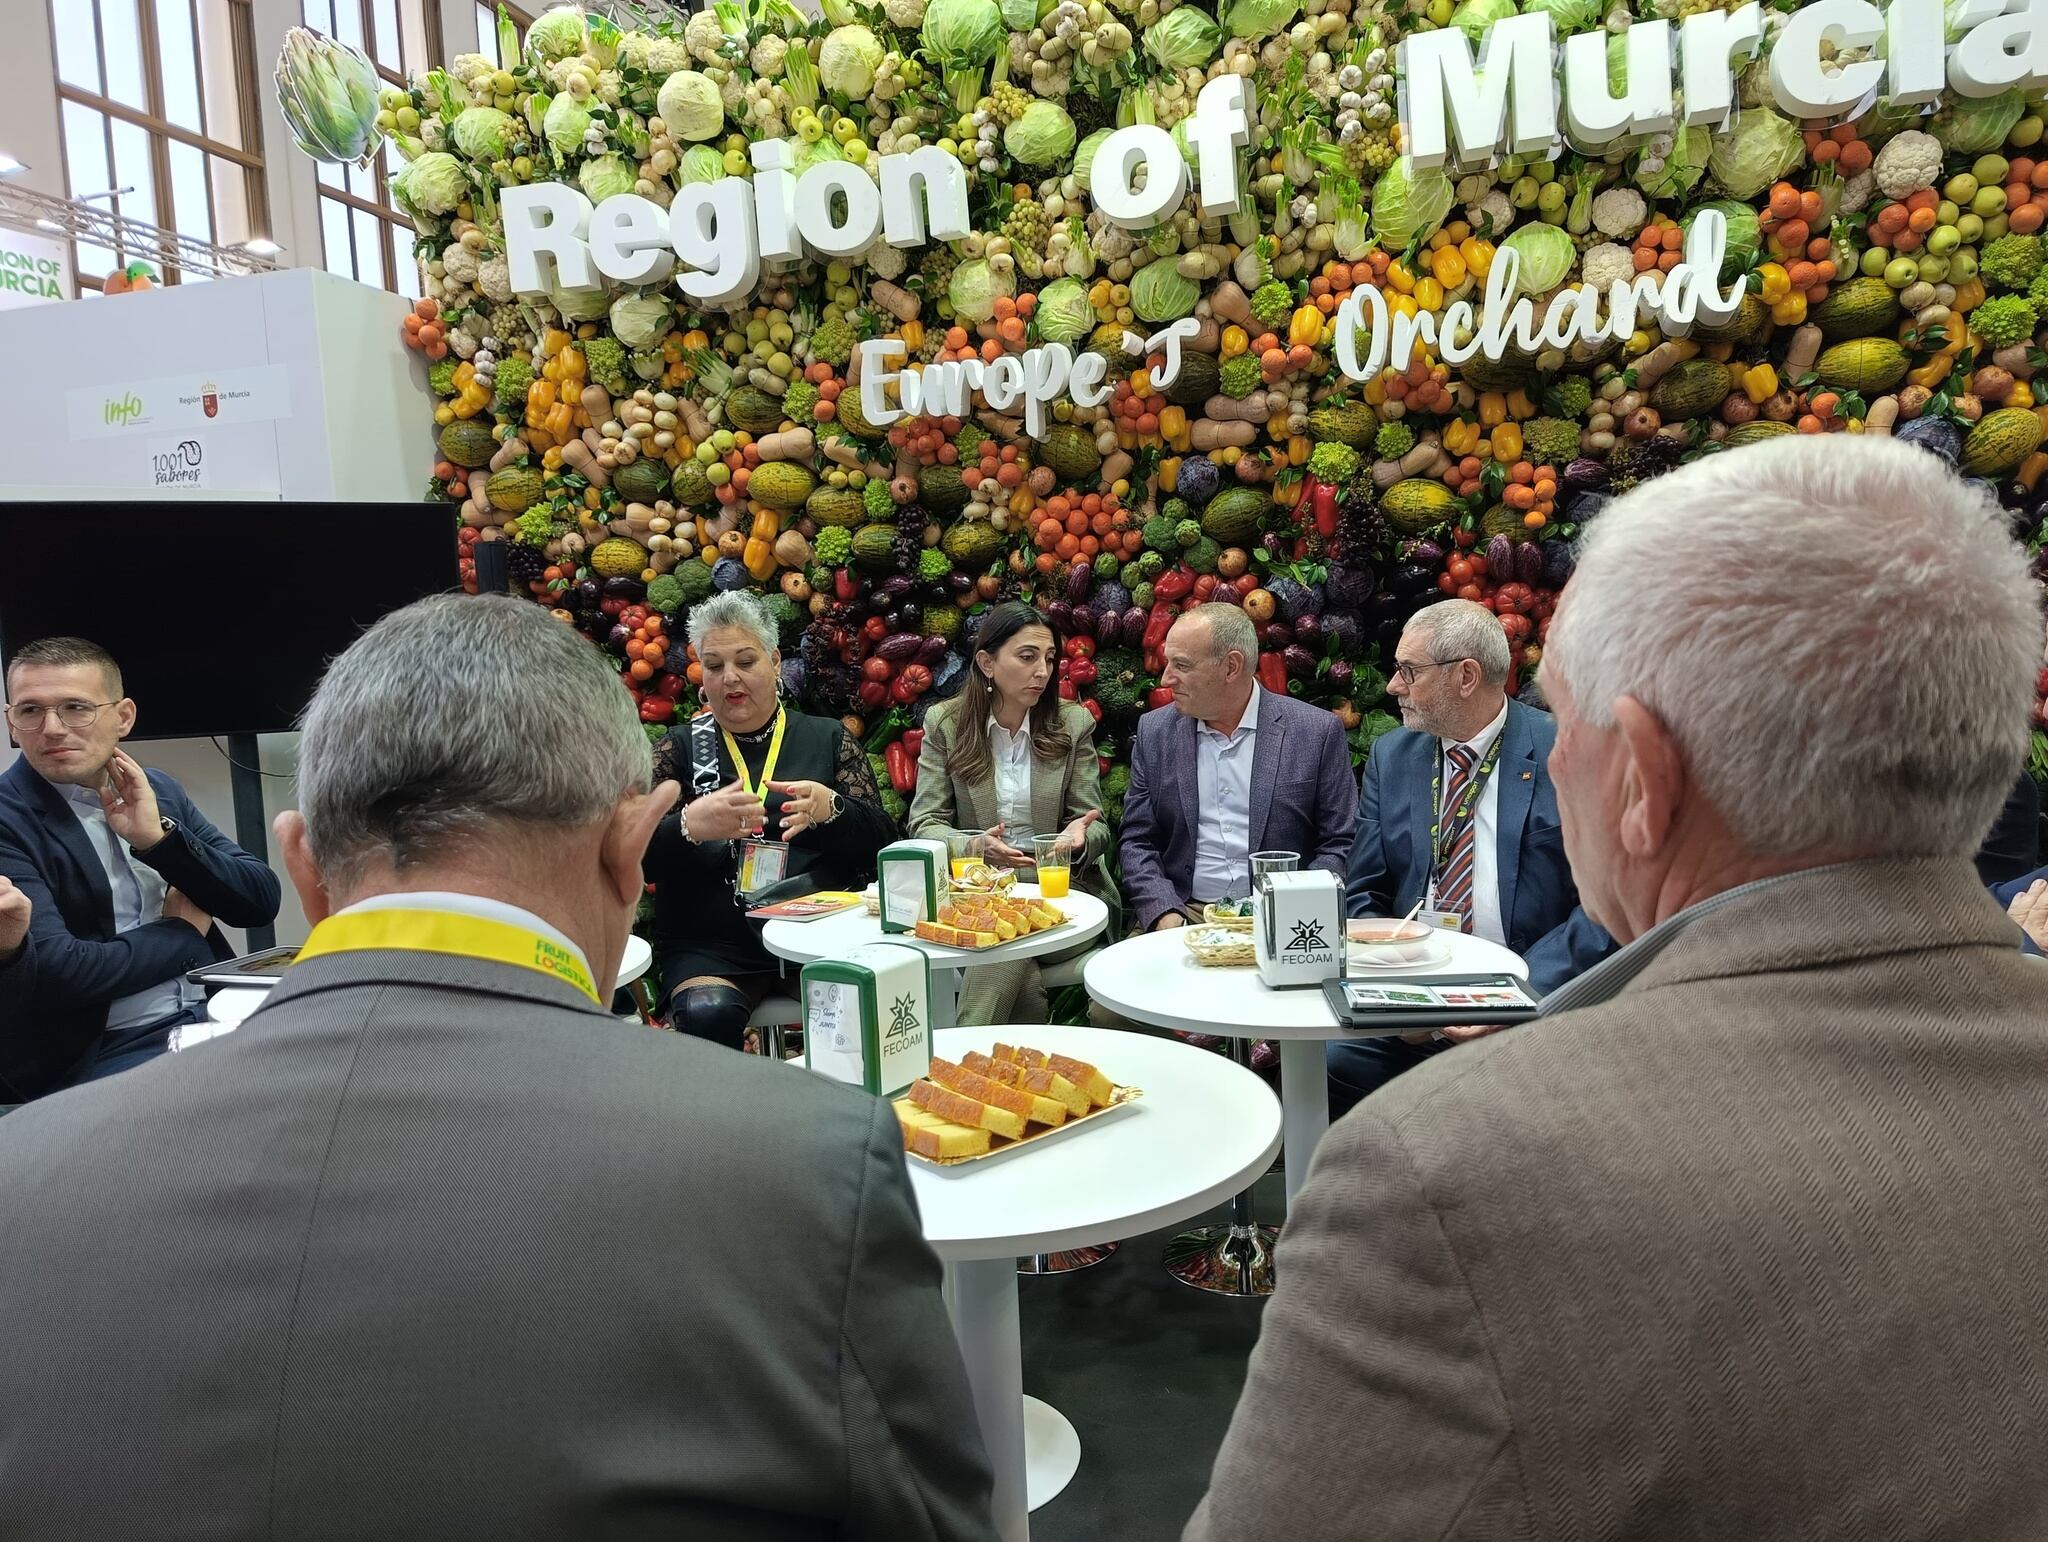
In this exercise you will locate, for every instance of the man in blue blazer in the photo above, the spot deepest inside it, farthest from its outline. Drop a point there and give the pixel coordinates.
(1495, 858)
(124, 874)
(17, 956)
(1232, 770)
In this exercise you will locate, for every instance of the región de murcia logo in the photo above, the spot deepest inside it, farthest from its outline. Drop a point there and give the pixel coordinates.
(1307, 937)
(902, 1018)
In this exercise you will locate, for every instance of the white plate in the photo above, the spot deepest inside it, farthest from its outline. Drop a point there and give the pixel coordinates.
(1429, 950)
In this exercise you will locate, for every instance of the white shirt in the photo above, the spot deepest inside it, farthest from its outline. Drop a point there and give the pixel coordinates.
(138, 892)
(1011, 755)
(471, 905)
(1223, 807)
(1486, 917)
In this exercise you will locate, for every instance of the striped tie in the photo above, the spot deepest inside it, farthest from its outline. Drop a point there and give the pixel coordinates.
(1454, 883)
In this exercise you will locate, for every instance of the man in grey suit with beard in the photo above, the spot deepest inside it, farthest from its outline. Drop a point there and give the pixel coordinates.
(1234, 769)
(435, 1247)
(1742, 1237)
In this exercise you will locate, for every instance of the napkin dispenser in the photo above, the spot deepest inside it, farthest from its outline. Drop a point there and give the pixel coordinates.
(1298, 928)
(868, 1018)
(911, 878)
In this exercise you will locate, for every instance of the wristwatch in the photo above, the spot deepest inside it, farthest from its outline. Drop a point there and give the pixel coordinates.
(170, 828)
(837, 803)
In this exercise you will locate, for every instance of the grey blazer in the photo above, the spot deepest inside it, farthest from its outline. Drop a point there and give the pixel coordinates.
(434, 1248)
(1754, 1247)
(948, 808)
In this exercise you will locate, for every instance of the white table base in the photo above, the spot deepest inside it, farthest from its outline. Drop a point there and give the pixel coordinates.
(1031, 1445)
(1304, 1107)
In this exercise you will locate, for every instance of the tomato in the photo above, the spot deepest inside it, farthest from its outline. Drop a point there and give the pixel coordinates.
(1518, 627)
(1468, 591)
(1460, 569)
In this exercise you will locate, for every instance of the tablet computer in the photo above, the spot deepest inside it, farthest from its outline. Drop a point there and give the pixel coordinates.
(1421, 1003)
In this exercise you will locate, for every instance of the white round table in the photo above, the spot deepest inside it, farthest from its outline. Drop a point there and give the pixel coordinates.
(1154, 979)
(1202, 1131)
(835, 936)
(229, 1006)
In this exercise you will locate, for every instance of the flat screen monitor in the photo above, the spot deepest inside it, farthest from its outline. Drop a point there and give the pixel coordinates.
(222, 615)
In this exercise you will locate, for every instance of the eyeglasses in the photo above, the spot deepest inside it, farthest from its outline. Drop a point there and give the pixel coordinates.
(73, 714)
(1406, 672)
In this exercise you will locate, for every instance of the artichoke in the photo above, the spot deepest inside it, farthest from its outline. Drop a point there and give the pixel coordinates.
(328, 93)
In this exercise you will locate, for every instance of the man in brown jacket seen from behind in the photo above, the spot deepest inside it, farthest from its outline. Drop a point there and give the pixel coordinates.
(1745, 1237)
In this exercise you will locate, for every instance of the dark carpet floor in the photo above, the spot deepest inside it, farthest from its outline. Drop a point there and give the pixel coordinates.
(1148, 1370)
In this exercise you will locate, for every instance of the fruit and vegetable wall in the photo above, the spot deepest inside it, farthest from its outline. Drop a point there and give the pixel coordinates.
(635, 452)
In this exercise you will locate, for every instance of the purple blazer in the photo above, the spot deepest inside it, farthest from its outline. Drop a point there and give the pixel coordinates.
(1304, 798)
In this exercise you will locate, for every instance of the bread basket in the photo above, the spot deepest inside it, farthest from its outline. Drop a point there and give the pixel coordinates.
(1213, 915)
(1220, 947)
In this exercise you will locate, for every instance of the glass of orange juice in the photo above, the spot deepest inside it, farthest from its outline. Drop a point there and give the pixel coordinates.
(1054, 860)
(962, 864)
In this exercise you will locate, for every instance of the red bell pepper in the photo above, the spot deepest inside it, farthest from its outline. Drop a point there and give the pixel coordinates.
(902, 767)
(913, 740)
(1176, 585)
(874, 629)
(845, 586)
(1094, 708)
(1078, 648)
(1273, 673)
(1068, 691)
(911, 684)
(673, 686)
(878, 670)
(657, 709)
(1319, 502)
(1158, 696)
(873, 694)
(1205, 586)
(1082, 672)
(1155, 660)
(1158, 624)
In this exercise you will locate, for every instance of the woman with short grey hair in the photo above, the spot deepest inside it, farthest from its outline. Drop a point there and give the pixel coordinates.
(775, 803)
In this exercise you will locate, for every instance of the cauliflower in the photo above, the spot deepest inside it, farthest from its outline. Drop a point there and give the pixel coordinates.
(1619, 212)
(494, 278)
(1857, 191)
(659, 57)
(2003, 321)
(1910, 162)
(1491, 212)
(769, 55)
(907, 14)
(459, 264)
(885, 261)
(704, 36)
(1607, 264)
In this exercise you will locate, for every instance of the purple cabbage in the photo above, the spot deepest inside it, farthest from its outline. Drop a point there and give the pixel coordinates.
(1344, 628)
(1558, 562)
(793, 677)
(1111, 599)
(1198, 481)
(1348, 588)
(729, 573)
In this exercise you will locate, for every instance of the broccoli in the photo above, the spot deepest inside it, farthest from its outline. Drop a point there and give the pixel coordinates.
(1176, 510)
(1202, 555)
(968, 442)
(1333, 463)
(508, 386)
(833, 341)
(933, 564)
(1550, 441)
(1187, 533)
(1239, 376)
(784, 610)
(875, 499)
(1120, 684)
(2004, 320)
(695, 578)
(892, 800)
(1158, 534)
(834, 546)
(1115, 788)
(1272, 304)
(2010, 262)
(665, 593)
(1150, 566)
(799, 403)
(1393, 441)
(606, 360)
(537, 527)
(441, 375)
(1569, 397)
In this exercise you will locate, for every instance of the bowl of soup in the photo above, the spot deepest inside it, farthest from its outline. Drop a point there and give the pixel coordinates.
(1390, 942)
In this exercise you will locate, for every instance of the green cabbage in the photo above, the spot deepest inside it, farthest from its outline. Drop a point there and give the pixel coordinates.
(1745, 235)
(1063, 313)
(690, 106)
(1546, 252)
(962, 34)
(1566, 16)
(1683, 165)
(1408, 204)
(1259, 18)
(1159, 292)
(557, 34)
(700, 163)
(1967, 126)
(1760, 148)
(1019, 15)
(432, 184)
(606, 176)
(565, 125)
(848, 61)
(1474, 16)
(1182, 39)
(641, 320)
(579, 304)
(816, 153)
(1887, 120)
(1042, 136)
(975, 288)
(1084, 156)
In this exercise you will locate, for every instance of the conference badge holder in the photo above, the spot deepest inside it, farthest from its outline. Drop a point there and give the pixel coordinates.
(1421, 1004)
(763, 864)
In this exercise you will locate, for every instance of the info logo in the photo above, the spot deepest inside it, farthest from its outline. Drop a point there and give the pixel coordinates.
(119, 412)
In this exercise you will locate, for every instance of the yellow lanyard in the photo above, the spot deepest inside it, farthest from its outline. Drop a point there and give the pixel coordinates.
(440, 931)
(739, 764)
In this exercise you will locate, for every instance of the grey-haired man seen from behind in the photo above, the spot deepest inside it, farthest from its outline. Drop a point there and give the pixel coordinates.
(433, 1246)
(1742, 1238)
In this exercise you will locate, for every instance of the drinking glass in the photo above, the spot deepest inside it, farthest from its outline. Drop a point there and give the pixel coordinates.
(1264, 862)
(1054, 860)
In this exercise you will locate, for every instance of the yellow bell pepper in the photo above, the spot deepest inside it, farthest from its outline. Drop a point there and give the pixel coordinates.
(1404, 305)
(1941, 364)
(1399, 278)
(1276, 427)
(1478, 256)
(1968, 296)
(1461, 437)
(1173, 421)
(1429, 294)
(1520, 408)
(1306, 327)
(1234, 341)
(1790, 311)
(2022, 395)
(1493, 408)
(1775, 281)
(2029, 474)
(1448, 264)
(1298, 450)
(1376, 391)
(552, 342)
(1169, 470)
(912, 333)
(1760, 383)
(758, 555)
(1507, 443)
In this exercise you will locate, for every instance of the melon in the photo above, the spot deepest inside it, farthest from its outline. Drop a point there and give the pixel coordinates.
(1756, 433)
(2000, 441)
(1070, 451)
(1868, 365)
(1235, 516)
(941, 490)
(838, 506)
(874, 548)
(1692, 389)
(1199, 379)
(754, 411)
(1416, 504)
(513, 490)
(1863, 307)
(468, 443)
(781, 484)
(642, 481)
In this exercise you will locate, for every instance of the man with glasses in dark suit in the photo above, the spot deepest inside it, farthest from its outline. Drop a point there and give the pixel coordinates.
(124, 874)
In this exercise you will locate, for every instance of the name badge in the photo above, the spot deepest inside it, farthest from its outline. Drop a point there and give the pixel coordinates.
(762, 864)
(1449, 920)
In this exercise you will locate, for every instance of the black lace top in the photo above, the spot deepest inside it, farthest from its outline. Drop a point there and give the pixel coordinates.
(700, 924)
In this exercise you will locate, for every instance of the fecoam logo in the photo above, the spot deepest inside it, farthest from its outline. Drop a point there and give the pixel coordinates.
(178, 467)
(902, 1019)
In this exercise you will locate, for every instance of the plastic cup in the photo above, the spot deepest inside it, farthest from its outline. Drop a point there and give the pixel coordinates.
(1264, 862)
(1055, 864)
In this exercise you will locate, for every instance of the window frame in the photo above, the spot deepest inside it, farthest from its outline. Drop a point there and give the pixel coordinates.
(161, 133)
